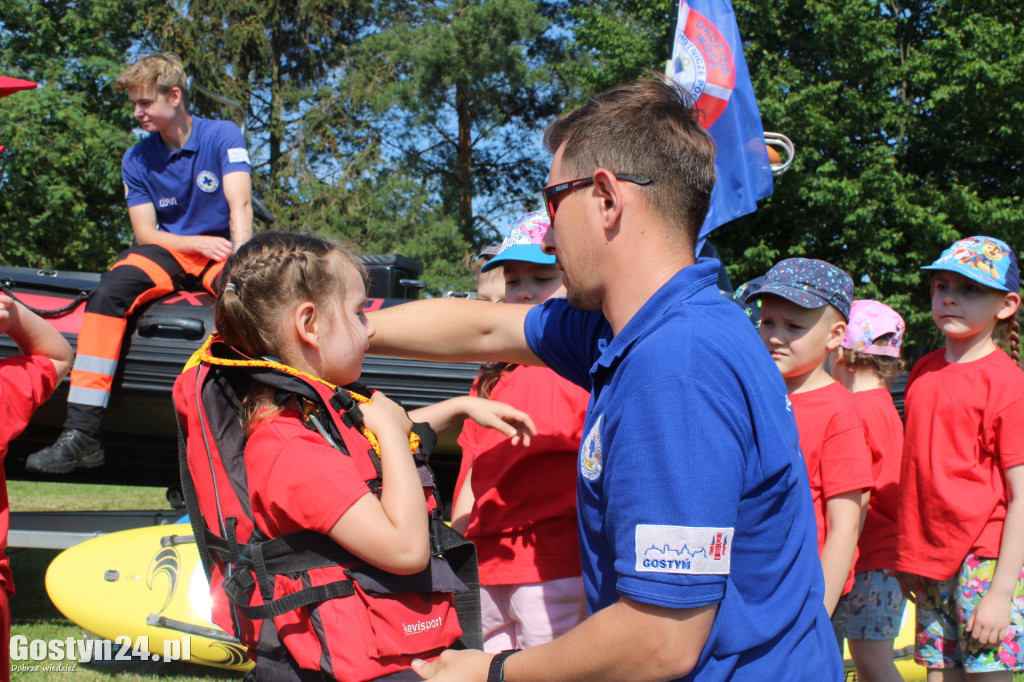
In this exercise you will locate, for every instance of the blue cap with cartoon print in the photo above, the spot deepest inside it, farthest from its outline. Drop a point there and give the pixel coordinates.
(985, 260)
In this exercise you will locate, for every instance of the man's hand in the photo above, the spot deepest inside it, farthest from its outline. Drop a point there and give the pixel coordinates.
(214, 248)
(469, 665)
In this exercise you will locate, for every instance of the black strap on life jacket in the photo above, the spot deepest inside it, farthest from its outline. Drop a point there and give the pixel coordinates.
(254, 563)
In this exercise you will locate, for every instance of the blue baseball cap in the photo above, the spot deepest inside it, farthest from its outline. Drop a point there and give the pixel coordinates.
(522, 243)
(986, 260)
(808, 282)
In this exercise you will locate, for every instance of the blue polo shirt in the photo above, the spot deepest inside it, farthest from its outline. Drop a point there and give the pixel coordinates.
(692, 489)
(186, 186)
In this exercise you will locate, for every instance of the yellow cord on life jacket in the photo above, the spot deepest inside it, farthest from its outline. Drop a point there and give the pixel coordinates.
(203, 354)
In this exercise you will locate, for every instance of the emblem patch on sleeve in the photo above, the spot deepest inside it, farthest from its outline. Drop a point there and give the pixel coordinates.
(238, 155)
(683, 549)
(590, 453)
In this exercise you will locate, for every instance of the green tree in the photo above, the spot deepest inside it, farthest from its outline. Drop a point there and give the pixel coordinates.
(315, 164)
(903, 119)
(60, 188)
(459, 92)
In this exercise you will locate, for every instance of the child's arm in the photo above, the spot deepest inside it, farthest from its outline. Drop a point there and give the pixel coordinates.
(464, 504)
(391, 533)
(34, 335)
(991, 617)
(842, 530)
(492, 414)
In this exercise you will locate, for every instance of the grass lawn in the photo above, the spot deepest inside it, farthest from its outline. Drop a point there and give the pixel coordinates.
(34, 615)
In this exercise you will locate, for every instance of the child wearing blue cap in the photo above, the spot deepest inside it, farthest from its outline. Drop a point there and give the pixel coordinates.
(960, 548)
(805, 308)
(518, 503)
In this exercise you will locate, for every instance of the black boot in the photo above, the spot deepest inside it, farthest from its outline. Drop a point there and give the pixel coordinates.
(73, 449)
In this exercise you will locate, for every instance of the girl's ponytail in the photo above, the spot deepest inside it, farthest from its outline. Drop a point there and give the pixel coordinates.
(1013, 335)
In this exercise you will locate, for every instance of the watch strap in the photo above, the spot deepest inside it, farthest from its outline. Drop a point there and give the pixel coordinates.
(496, 671)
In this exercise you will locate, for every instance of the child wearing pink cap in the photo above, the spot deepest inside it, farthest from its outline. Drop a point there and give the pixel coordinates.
(866, 362)
(518, 503)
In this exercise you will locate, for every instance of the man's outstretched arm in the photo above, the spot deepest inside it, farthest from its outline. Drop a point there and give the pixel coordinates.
(629, 640)
(453, 330)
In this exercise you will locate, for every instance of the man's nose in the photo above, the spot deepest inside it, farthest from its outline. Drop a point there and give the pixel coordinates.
(547, 245)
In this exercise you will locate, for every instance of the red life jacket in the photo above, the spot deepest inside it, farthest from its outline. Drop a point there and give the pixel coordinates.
(330, 610)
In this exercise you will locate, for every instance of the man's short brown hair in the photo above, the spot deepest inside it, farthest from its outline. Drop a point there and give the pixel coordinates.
(646, 128)
(163, 70)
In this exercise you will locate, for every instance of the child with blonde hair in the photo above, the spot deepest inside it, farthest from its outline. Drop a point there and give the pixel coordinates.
(960, 549)
(332, 485)
(866, 362)
(805, 308)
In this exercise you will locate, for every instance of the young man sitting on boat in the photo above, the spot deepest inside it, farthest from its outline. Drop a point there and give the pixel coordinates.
(188, 190)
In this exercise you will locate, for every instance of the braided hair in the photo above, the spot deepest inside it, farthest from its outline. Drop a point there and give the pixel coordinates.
(1009, 335)
(268, 275)
(261, 282)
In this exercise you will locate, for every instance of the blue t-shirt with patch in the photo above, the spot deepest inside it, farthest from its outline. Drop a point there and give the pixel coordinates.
(187, 186)
(692, 489)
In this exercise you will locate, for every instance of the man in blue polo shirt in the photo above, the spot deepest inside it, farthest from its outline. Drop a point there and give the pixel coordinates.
(698, 541)
(188, 190)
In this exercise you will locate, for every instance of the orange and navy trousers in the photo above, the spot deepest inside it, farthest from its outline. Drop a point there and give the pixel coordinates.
(139, 275)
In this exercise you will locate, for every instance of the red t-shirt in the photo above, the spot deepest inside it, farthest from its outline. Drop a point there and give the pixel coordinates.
(26, 381)
(965, 425)
(884, 431)
(299, 482)
(523, 521)
(296, 480)
(834, 448)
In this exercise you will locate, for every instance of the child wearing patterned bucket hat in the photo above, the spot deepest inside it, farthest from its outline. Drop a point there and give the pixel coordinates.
(866, 362)
(518, 504)
(805, 306)
(960, 542)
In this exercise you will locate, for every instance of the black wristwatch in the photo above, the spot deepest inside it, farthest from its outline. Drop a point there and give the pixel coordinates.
(496, 671)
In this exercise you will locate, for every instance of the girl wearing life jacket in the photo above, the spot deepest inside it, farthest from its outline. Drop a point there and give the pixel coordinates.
(296, 302)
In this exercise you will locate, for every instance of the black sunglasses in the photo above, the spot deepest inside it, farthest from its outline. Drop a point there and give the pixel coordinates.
(551, 192)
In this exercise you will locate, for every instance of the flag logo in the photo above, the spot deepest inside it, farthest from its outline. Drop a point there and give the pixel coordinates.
(702, 62)
(707, 61)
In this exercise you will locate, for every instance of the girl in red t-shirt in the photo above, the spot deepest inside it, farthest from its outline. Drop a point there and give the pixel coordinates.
(299, 300)
(960, 532)
(866, 362)
(518, 504)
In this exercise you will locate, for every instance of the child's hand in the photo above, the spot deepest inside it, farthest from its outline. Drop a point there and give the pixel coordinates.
(8, 313)
(989, 620)
(382, 415)
(906, 581)
(493, 414)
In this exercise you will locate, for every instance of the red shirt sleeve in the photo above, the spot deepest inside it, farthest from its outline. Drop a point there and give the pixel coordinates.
(26, 381)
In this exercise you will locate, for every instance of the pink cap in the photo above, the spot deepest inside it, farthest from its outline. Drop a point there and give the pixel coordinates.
(870, 320)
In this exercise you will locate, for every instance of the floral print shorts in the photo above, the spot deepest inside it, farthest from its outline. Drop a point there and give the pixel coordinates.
(945, 606)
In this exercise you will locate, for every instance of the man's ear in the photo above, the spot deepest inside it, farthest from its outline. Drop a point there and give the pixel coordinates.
(174, 96)
(608, 189)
